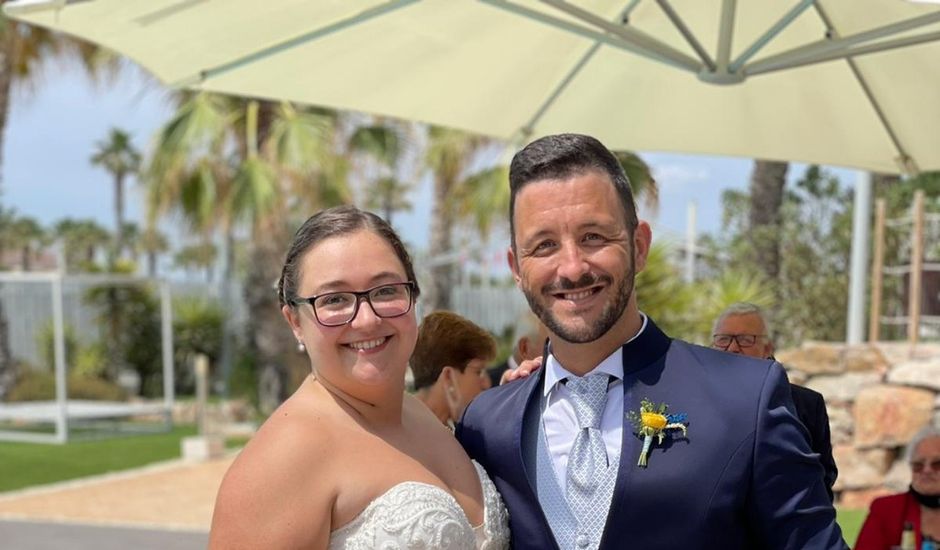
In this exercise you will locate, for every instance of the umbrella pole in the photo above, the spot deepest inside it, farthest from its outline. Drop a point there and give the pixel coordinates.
(861, 226)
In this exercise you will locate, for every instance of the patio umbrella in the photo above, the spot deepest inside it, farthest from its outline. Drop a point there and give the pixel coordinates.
(842, 82)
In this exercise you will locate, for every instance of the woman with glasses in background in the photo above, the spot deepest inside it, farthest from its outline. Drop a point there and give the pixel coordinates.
(918, 508)
(350, 460)
(449, 364)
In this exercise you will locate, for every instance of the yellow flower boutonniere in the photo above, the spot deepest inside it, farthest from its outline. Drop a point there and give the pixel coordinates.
(652, 422)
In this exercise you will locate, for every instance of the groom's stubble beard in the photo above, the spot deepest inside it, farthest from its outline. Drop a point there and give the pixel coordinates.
(609, 316)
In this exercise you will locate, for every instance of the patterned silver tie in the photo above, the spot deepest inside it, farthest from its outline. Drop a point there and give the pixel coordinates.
(587, 463)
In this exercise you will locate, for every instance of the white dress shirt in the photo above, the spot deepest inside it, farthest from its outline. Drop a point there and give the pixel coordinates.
(561, 423)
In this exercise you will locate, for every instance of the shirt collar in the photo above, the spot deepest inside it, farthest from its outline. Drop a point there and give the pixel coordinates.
(611, 365)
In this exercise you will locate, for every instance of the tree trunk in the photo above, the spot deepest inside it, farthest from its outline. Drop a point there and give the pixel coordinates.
(442, 224)
(227, 353)
(766, 189)
(118, 214)
(269, 338)
(152, 264)
(7, 376)
(25, 257)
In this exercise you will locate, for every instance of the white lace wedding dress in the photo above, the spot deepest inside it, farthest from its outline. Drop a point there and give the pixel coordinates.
(418, 516)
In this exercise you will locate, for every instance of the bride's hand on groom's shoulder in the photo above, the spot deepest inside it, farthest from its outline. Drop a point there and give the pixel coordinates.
(526, 368)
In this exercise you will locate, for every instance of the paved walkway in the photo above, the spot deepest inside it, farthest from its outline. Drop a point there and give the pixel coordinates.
(171, 496)
(28, 535)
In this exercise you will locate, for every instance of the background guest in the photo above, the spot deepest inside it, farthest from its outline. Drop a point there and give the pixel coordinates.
(742, 328)
(919, 506)
(449, 363)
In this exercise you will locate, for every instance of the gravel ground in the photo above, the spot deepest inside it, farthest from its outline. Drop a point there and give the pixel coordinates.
(172, 495)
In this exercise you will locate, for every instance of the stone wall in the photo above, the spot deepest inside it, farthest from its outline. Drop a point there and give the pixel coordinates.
(878, 396)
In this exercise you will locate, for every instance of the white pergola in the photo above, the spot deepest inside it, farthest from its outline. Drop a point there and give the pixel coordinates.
(61, 410)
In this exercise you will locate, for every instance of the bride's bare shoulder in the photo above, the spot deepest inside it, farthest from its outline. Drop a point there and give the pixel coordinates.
(276, 485)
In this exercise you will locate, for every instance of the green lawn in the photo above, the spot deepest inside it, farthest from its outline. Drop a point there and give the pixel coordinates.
(26, 464)
(850, 521)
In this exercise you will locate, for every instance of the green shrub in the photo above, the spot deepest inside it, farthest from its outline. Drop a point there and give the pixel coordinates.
(46, 342)
(244, 380)
(40, 386)
(91, 361)
(197, 329)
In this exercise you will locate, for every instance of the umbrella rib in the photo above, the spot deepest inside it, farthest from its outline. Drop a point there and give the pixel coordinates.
(316, 34)
(904, 161)
(805, 54)
(687, 33)
(618, 40)
(771, 33)
(526, 130)
(529, 127)
(725, 34)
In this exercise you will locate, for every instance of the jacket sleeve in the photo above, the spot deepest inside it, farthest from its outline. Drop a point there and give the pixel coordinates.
(787, 499)
(824, 447)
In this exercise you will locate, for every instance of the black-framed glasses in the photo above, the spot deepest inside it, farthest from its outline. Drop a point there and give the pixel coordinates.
(723, 341)
(334, 309)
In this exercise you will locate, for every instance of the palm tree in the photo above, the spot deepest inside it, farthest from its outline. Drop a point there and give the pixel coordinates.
(27, 235)
(199, 256)
(450, 156)
(641, 178)
(118, 156)
(768, 179)
(385, 144)
(152, 242)
(223, 163)
(82, 240)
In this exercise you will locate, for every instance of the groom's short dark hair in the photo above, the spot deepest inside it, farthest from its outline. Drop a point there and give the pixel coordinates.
(562, 156)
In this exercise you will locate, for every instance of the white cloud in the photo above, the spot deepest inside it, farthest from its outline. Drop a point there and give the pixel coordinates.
(673, 177)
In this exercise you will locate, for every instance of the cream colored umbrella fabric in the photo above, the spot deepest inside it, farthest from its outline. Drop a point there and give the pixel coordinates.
(854, 83)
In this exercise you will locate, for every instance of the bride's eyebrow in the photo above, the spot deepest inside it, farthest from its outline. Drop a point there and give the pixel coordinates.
(340, 284)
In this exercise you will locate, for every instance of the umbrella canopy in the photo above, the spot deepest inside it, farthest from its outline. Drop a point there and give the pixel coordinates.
(842, 82)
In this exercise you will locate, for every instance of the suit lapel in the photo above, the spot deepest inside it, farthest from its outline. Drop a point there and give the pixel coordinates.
(648, 348)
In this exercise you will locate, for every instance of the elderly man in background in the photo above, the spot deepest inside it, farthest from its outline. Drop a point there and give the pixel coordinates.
(743, 329)
(528, 346)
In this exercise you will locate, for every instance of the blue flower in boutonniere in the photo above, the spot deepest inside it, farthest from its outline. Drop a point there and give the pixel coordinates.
(652, 421)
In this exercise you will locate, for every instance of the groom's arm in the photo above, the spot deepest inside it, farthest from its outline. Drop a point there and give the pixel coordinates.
(788, 503)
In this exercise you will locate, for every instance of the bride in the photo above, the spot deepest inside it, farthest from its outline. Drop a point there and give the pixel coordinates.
(350, 460)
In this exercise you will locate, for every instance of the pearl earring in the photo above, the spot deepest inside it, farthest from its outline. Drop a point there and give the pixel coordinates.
(301, 347)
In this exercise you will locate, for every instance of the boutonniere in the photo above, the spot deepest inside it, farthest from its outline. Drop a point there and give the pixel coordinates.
(652, 421)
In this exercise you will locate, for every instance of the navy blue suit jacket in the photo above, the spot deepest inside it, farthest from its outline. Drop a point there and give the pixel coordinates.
(744, 477)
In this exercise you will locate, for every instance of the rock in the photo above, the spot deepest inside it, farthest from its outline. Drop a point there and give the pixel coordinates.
(797, 376)
(917, 373)
(814, 358)
(861, 500)
(865, 359)
(843, 388)
(899, 352)
(898, 477)
(841, 424)
(860, 469)
(888, 416)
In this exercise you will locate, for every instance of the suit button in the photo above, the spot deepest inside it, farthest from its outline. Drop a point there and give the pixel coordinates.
(583, 541)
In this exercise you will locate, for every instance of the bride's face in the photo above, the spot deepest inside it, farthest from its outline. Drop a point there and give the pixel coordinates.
(370, 350)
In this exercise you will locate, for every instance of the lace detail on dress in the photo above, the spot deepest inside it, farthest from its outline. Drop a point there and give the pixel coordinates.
(494, 533)
(418, 516)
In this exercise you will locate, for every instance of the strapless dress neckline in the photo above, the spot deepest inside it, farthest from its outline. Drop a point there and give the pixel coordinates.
(417, 515)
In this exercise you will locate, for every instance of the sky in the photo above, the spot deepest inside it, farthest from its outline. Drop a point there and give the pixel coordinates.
(53, 128)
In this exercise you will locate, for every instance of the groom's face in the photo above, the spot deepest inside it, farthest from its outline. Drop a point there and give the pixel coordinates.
(575, 259)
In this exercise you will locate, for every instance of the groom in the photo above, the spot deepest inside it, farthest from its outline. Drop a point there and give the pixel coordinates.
(734, 471)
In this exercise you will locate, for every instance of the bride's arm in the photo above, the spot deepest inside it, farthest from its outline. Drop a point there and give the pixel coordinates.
(270, 497)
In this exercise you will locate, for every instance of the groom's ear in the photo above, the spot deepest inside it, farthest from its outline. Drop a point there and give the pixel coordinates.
(513, 265)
